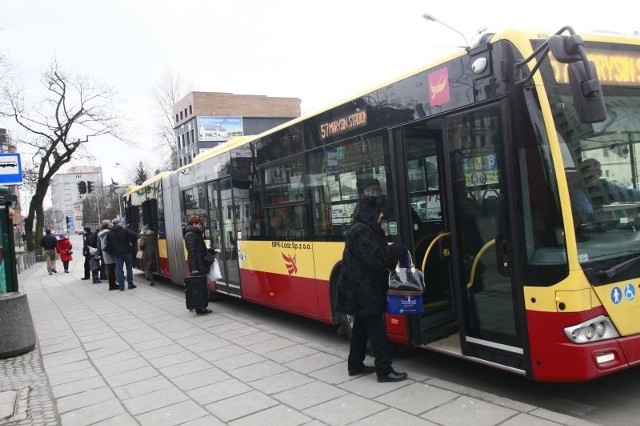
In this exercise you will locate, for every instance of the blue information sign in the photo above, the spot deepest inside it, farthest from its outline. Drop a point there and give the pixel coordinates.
(10, 169)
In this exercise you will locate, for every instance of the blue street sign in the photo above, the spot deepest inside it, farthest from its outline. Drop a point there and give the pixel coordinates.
(10, 169)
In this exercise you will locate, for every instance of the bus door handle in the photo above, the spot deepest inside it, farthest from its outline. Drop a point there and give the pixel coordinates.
(445, 250)
(503, 262)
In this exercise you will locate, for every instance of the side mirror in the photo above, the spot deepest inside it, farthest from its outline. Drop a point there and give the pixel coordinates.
(565, 48)
(586, 92)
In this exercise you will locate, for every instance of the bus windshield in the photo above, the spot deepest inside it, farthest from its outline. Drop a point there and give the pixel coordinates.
(602, 162)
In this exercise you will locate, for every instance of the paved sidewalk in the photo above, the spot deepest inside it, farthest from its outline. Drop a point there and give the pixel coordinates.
(139, 357)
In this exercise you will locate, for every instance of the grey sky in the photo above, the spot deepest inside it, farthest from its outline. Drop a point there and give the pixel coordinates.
(320, 52)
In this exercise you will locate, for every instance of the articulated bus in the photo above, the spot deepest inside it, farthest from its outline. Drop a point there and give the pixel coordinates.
(531, 264)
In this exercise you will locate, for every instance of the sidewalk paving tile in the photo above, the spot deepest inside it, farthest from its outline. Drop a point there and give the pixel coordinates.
(392, 416)
(176, 334)
(115, 358)
(64, 357)
(271, 345)
(237, 334)
(142, 387)
(59, 347)
(173, 359)
(132, 376)
(238, 361)
(72, 376)
(309, 395)
(212, 342)
(200, 378)
(345, 409)
(195, 339)
(152, 344)
(93, 413)
(290, 353)
(281, 382)
(154, 400)
(119, 420)
(78, 386)
(84, 399)
(278, 415)
(416, 398)
(218, 391)
(527, 419)
(173, 415)
(160, 351)
(466, 410)
(257, 371)
(241, 405)
(123, 366)
(314, 362)
(184, 368)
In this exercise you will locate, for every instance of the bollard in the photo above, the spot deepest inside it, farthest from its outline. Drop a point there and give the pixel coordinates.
(17, 333)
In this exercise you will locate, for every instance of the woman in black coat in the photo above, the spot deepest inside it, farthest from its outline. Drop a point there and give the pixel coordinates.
(196, 250)
(363, 285)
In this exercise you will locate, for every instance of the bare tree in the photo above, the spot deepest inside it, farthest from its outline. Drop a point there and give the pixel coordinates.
(170, 89)
(71, 105)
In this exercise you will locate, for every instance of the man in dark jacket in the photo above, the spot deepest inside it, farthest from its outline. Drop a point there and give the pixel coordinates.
(118, 243)
(363, 285)
(48, 243)
(85, 252)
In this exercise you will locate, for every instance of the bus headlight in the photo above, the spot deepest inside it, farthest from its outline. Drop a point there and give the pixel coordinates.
(593, 330)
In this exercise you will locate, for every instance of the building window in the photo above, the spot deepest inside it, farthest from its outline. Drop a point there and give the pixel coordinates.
(177, 118)
(190, 110)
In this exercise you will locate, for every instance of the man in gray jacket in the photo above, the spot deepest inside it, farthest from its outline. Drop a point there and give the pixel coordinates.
(118, 243)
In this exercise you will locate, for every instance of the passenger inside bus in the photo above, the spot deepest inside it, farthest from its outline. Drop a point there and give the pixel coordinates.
(372, 187)
(580, 202)
(602, 190)
(281, 222)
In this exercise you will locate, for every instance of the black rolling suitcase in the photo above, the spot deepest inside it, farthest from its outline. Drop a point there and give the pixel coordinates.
(196, 292)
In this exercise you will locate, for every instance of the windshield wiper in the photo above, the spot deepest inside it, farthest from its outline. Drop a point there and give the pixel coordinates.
(619, 268)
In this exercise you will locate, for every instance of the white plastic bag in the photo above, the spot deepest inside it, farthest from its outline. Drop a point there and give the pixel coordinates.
(214, 271)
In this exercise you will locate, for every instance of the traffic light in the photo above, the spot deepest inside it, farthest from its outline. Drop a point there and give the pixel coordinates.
(89, 186)
(82, 187)
(69, 220)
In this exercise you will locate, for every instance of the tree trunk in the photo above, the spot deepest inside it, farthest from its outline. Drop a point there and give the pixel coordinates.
(36, 212)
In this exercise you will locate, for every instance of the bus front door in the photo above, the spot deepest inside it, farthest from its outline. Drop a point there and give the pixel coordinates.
(479, 224)
(222, 216)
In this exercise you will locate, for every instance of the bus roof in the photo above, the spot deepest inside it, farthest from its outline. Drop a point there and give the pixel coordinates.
(131, 189)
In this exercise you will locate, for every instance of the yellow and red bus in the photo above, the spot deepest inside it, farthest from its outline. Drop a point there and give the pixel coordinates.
(529, 267)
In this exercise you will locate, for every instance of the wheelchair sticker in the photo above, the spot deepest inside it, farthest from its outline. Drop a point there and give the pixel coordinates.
(629, 292)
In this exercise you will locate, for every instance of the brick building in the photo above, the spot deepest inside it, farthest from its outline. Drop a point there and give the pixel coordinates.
(206, 119)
